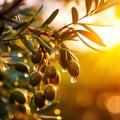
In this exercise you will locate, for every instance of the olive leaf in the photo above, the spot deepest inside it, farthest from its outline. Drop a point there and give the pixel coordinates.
(96, 3)
(91, 35)
(50, 18)
(106, 5)
(88, 5)
(43, 42)
(74, 15)
(26, 42)
(88, 44)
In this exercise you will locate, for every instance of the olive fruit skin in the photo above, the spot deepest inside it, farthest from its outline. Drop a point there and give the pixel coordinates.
(63, 59)
(73, 68)
(39, 99)
(37, 56)
(44, 79)
(49, 92)
(56, 80)
(50, 71)
(35, 78)
(18, 96)
(21, 67)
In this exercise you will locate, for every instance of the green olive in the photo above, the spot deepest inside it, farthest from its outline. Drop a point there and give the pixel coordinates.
(39, 99)
(37, 56)
(73, 68)
(35, 78)
(50, 71)
(49, 92)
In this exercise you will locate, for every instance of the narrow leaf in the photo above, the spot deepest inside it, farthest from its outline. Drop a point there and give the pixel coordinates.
(74, 15)
(43, 42)
(38, 11)
(96, 3)
(92, 35)
(107, 5)
(50, 18)
(88, 44)
(88, 5)
(27, 43)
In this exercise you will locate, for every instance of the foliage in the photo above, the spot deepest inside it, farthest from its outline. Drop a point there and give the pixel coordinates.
(28, 76)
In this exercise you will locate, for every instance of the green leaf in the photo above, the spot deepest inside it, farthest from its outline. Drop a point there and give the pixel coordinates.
(50, 18)
(47, 109)
(43, 42)
(26, 42)
(92, 35)
(88, 5)
(38, 11)
(74, 15)
(106, 5)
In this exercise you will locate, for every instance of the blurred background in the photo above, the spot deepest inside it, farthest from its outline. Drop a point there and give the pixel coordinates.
(96, 93)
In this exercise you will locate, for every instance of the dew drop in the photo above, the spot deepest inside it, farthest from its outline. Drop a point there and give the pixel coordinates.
(26, 75)
(73, 79)
(64, 70)
(48, 102)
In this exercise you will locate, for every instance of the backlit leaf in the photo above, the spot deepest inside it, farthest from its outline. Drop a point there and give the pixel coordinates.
(88, 5)
(74, 15)
(50, 18)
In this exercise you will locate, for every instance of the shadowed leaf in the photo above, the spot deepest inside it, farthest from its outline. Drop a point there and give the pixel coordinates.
(74, 15)
(50, 18)
(27, 43)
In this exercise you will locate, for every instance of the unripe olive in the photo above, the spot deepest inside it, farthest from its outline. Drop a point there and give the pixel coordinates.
(63, 59)
(21, 67)
(35, 78)
(37, 56)
(50, 71)
(49, 92)
(56, 80)
(18, 96)
(73, 68)
(39, 99)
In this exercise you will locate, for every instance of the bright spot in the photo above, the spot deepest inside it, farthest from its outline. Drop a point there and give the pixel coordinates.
(11, 116)
(73, 79)
(16, 83)
(1, 83)
(4, 68)
(83, 98)
(55, 88)
(20, 54)
(57, 111)
(26, 75)
(59, 118)
(2, 2)
(27, 108)
(113, 104)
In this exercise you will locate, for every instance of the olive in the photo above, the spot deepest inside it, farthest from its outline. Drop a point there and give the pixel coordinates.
(50, 71)
(49, 92)
(37, 56)
(21, 67)
(39, 99)
(73, 68)
(35, 78)
(18, 96)
(56, 80)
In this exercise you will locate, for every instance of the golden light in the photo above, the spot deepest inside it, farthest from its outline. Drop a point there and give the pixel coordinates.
(113, 104)
(57, 111)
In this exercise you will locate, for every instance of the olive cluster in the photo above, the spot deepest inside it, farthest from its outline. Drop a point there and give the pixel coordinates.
(44, 78)
(68, 63)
